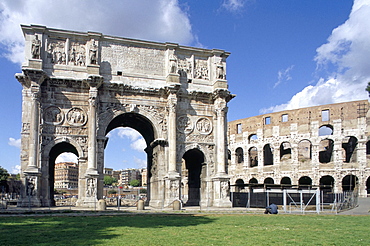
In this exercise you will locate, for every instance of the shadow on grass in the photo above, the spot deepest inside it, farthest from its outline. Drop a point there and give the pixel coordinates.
(87, 230)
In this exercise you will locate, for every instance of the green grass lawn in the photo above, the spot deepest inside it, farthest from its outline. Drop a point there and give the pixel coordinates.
(186, 229)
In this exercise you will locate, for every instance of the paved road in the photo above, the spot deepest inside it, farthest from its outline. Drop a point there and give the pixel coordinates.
(362, 209)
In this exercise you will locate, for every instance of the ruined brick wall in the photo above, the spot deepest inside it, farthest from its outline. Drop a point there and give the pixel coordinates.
(322, 145)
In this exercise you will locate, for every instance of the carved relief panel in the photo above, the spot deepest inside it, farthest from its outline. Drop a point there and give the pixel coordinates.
(77, 53)
(56, 51)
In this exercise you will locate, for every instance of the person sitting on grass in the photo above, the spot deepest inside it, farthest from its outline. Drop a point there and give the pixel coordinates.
(272, 209)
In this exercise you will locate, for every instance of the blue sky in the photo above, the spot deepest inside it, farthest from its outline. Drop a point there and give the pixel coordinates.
(285, 54)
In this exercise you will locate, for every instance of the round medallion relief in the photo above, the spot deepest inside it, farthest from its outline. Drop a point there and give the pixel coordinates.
(53, 115)
(184, 124)
(76, 117)
(204, 126)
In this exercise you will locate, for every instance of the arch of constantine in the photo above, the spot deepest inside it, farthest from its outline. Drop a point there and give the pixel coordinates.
(77, 87)
(322, 146)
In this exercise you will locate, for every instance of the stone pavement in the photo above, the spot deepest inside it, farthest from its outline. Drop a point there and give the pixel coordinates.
(362, 208)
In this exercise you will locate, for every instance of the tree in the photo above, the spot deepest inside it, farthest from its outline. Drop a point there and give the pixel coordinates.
(111, 192)
(3, 174)
(135, 183)
(368, 88)
(143, 191)
(108, 180)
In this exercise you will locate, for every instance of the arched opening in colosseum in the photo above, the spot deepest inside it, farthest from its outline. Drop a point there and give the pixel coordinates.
(286, 182)
(349, 145)
(285, 151)
(268, 157)
(305, 182)
(304, 150)
(253, 157)
(349, 182)
(239, 185)
(252, 137)
(368, 186)
(239, 154)
(325, 150)
(253, 181)
(54, 176)
(368, 149)
(326, 130)
(327, 183)
(194, 160)
(268, 181)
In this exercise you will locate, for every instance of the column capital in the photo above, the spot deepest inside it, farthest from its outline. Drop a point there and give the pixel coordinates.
(31, 77)
(95, 81)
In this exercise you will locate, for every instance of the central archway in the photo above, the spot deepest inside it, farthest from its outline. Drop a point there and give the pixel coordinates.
(194, 160)
(145, 128)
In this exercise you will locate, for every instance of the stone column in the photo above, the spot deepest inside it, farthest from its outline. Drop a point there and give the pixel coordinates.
(91, 164)
(94, 82)
(172, 103)
(34, 131)
(221, 186)
(221, 110)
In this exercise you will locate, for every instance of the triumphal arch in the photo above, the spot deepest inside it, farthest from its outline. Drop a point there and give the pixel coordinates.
(78, 86)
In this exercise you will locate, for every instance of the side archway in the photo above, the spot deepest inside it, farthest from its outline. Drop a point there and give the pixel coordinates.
(194, 160)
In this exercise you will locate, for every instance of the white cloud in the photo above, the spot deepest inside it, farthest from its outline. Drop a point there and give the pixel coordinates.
(284, 75)
(16, 169)
(140, 162)
(233, 5)
(138, 145)
(66, 157)
(15, 142)
(157, 20)
(347, 53)
(137, 141)
(129, 133)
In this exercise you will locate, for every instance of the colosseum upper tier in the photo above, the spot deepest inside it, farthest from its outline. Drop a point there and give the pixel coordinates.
(324, 145)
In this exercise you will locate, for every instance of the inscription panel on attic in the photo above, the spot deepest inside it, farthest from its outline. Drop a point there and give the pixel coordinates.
(77, 87)
(304, 146)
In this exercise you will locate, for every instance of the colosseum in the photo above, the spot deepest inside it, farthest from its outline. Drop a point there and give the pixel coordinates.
(321, 146)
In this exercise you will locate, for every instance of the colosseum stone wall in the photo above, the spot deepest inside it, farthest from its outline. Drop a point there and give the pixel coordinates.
(322, 145)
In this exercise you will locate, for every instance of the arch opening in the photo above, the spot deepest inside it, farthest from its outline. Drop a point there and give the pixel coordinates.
(239, 153)
(194, 162)
(326, 150)
(286, 182)
(253, 157)
(349, 145)
(133, 126)
(327, 183)
(253, 181)
(63, 172)
(305, 182)
(268, 157)
(326, 130)
(239, 183)
(285, 151)
(349, 182)
(304, 150)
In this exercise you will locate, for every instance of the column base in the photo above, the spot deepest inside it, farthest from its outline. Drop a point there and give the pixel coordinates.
(29, 202)
(87, 202)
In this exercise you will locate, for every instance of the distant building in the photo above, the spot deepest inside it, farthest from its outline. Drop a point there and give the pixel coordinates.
(130, 174)
(117, 175)
(144, 176)
(66, 175)
(108, 171)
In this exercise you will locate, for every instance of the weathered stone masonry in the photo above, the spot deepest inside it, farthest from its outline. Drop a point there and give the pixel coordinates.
(323, 145)
(77, 87)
